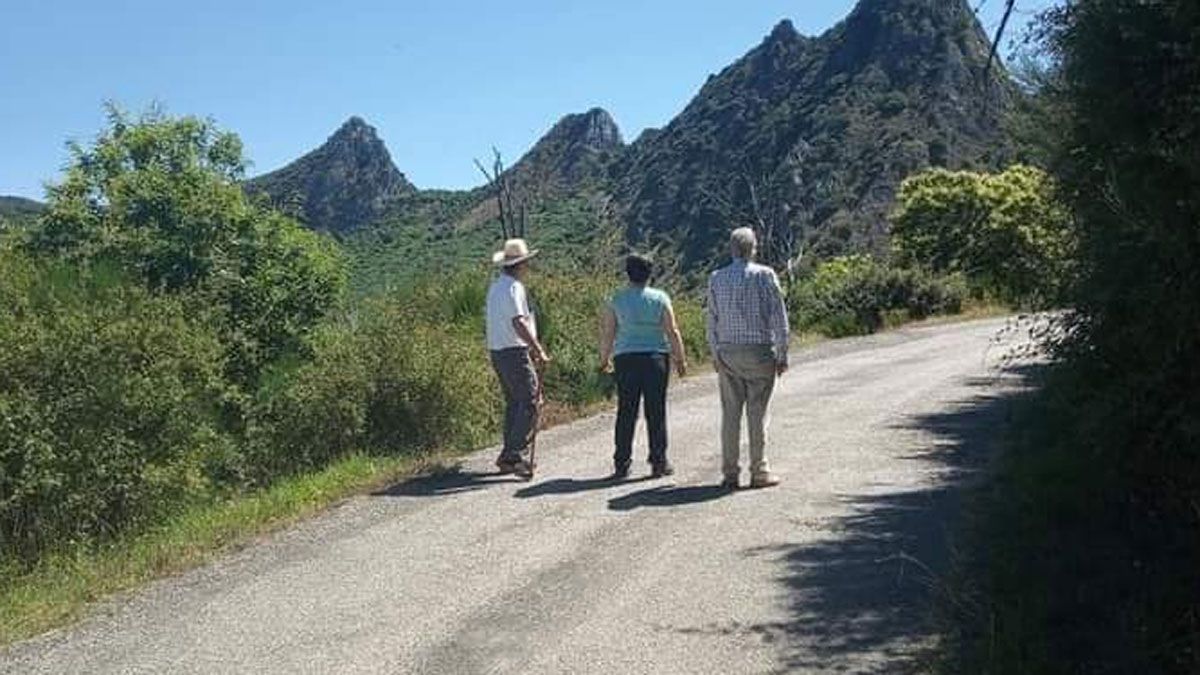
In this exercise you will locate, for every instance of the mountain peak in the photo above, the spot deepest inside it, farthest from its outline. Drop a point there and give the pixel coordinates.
(571, 154)
(784, 30)
(343, 184)
(595, 129)
(825, 126)
(356, 126)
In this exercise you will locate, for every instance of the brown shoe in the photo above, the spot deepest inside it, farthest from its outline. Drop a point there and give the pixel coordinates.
(520, 467)
(523, 469)
(764, 480)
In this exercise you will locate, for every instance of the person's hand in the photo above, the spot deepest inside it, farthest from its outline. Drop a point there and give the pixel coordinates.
(780, 368)
(681, 368)
(606, 366)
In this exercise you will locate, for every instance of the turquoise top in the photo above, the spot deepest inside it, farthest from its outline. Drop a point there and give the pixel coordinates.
(639, 314)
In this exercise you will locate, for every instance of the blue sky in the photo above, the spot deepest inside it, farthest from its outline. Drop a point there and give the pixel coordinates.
(442, 80)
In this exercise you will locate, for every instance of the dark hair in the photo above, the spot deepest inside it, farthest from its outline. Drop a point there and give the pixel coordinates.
(638, 267)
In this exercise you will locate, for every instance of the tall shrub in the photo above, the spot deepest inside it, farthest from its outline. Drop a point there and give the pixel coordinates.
(853, 295)
(108, 401)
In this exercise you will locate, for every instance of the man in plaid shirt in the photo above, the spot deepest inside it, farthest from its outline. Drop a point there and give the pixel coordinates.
(748, 338)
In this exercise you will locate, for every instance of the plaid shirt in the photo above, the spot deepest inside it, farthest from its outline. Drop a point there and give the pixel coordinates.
(745, 307)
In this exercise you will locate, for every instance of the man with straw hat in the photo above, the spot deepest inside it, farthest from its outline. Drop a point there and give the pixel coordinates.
(516, 354)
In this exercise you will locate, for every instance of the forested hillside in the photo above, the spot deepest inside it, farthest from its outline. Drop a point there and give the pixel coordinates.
(18, 211)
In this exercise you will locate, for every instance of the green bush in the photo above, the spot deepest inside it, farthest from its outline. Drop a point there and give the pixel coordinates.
(108, 406)
(161, 198)
(383, 380)
(568, 310)
(853, 296)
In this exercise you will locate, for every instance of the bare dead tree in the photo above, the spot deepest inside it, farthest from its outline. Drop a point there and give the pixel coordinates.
(767, 211)
(1009, 7)
(772, 216)
(513, 209)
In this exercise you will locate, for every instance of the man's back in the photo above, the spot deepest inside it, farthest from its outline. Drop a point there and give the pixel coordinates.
(745, 306)
(506, 300)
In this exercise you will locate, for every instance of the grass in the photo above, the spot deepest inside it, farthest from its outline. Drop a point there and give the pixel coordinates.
(971, 311)
(60, 588)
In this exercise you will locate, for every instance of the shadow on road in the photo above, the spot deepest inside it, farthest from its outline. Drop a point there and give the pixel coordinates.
(568, 486)
(447, 482)
(862, 599)
(667, 496)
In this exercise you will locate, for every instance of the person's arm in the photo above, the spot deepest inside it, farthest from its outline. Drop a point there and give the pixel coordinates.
(671, 328)
(608, 338)
(525, 332)
(777, 322)
(523, 325)
(710, 326)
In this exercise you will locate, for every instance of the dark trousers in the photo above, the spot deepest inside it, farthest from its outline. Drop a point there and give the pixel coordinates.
(641, 377)
(519, 382)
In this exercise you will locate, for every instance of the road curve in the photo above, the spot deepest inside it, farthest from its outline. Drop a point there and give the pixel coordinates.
(467, 572)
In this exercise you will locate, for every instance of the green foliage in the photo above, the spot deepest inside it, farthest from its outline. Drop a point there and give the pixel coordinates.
(160, 197)
(854, 296)
(568, 310)
(1095, 525)
(385, 380)
(1006, 232)
(433, 233)
(107, 405)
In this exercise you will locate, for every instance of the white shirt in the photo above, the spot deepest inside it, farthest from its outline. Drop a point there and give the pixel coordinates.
(506, 300)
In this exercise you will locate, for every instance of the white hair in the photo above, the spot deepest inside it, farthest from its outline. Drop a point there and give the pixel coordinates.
(743, 242)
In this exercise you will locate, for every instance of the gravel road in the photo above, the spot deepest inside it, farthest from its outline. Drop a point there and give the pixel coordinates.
(468, 572)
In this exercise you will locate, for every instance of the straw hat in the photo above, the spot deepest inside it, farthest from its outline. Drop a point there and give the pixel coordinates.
(515, 251)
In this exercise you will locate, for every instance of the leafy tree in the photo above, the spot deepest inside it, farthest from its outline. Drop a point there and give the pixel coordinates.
(1006, 232)
(161, 198)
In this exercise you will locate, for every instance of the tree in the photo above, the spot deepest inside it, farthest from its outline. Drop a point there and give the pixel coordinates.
(512, 210)
(1006, 232)
(160, 197)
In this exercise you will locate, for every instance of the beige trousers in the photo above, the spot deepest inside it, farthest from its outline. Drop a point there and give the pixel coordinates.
(747, 378)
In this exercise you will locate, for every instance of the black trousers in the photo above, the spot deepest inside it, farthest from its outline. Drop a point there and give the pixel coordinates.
(641, 378)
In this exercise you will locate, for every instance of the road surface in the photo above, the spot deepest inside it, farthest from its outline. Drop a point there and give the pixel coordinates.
(468, 572)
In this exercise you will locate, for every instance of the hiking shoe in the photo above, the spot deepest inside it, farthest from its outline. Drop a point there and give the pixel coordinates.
(764, 480)
(662, 469)
(729, 484)
(621, 472)
(517, 466)
(523, 469)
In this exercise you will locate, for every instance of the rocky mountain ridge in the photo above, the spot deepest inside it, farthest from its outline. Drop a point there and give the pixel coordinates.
(345, 183)
(806, 138)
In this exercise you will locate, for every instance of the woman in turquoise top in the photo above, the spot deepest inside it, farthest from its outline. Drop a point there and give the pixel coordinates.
(638, 339)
